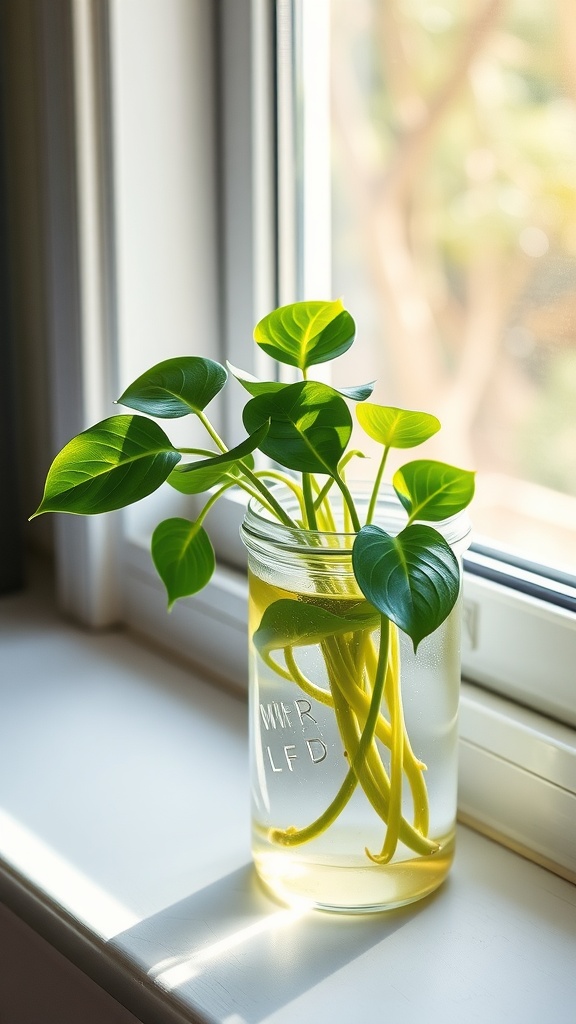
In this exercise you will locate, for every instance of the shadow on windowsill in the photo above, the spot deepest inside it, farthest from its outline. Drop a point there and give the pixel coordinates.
(230, 951)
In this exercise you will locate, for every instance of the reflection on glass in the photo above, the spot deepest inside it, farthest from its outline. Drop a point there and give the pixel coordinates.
(454, 240)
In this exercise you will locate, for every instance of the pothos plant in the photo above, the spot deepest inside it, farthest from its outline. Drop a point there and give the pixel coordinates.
(408, 582)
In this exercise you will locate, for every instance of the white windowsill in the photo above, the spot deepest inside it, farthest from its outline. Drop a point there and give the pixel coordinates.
(124, 840)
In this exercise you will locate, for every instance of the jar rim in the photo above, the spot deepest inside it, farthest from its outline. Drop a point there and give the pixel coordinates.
(259, 525)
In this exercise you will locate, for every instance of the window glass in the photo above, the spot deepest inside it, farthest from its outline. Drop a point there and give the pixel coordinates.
(453, 185)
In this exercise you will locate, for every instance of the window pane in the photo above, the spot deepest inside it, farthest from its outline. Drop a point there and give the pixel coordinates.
(454, 240)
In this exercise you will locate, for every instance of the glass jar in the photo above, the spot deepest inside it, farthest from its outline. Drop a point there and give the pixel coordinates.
(340, 824)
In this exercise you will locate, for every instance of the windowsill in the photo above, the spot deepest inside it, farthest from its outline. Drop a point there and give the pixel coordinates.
(124, 840)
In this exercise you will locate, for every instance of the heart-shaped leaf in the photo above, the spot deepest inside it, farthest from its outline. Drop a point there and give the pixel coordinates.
(195, 477)
(306, 333)
(176, 387)
(252, 385)
(288, 623)
(396, 428)
(310, 426)
(108, 466)
(433, 490)
(183, 556)
(413, 578)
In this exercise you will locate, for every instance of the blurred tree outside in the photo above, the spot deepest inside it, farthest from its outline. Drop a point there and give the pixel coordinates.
(454, 209)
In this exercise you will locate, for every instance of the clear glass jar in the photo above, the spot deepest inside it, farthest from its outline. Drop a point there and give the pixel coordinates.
(336, 827)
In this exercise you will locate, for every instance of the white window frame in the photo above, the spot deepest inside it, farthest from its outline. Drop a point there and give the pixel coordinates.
(518, 767)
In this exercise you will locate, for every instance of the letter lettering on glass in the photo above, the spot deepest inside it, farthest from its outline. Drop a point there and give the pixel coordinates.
(312, 750)
(290, 757)
(287, 712)
(275, 716)
(304, 707)
(272, 765)
(267, 714)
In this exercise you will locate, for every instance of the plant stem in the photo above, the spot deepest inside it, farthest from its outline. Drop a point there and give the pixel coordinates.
(212, 501)
(311, 521)
(253, 493)
(324, 511)
(413, 767)
(260, 487)
(396, 757)
(376, 488)
(270, 499)
(215, 437)
(197, 451)
(323, 492)
(305, 684)
(273, 474)
(349, 503)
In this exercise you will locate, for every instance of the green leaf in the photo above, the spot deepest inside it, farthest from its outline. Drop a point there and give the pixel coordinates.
(357, 392)
(310, 426)
(203, 480)
(176, 387)
(252, 385)
(183, 556)
(108, 466)
(288, 623)
(195, 477)
(413, 578)
(396, 428)
(306, 333)
(433, 490)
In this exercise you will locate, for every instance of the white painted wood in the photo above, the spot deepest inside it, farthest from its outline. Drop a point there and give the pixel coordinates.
(133, 775)
(166, 178)
(517, 778)
(79, 277)
(521, 646)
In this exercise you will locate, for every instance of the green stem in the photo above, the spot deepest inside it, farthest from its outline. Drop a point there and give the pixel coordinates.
(413, 767)
(253, 493)
(260, 487)
(376, 488)
(197, 451)
(215, 437)
(396, 757)
(349, 502)
(212, 501)
(305, 684)
(322, 506)
(273, 474)
(270, 499)
(311, 521)
(323, 492)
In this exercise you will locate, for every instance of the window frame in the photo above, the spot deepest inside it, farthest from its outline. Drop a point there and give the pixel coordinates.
(105, 571)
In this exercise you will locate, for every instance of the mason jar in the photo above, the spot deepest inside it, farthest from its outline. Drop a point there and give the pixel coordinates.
(337, 826)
